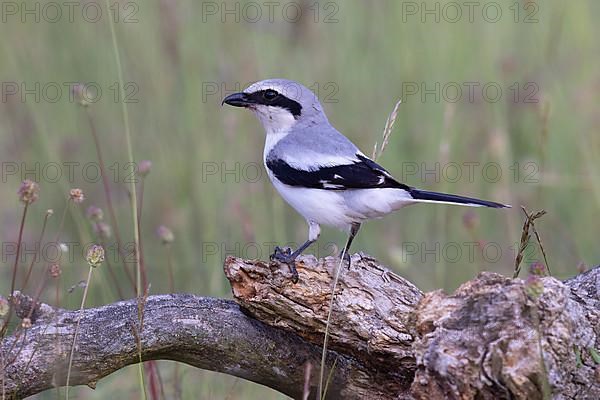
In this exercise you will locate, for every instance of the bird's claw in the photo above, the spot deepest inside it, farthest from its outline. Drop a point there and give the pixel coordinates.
(282, 255)
(385, 276)
(346, 256)
(285, 256)
(295, 277)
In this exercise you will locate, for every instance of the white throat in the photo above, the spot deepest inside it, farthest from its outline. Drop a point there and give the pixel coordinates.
(277, 123)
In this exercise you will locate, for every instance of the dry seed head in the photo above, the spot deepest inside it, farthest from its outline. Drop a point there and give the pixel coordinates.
(95, 256)
(144, 168)
(55, 271)
(80, 94)
(165, 234)
(76, 195)
(534, 287)
(29, 191)
(537, 268)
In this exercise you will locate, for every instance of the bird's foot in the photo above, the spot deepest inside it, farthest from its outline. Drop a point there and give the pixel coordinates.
(286, 256)
(282, 255)
(346, 256)
(385, 276)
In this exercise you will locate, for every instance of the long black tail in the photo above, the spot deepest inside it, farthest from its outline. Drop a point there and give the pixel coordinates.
(435, 197)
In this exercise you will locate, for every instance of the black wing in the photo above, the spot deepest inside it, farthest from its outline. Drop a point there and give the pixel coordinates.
(362, 174)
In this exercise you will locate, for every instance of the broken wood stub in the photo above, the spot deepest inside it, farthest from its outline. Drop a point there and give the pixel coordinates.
(493, 338)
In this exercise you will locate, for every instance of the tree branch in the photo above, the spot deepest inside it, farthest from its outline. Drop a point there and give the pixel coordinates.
(207, 333)
(388, 339)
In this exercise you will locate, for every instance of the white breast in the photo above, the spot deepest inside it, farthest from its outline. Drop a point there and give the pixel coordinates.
(321, 206)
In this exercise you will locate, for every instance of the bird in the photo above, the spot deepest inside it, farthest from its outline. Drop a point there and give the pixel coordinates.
(320, 172)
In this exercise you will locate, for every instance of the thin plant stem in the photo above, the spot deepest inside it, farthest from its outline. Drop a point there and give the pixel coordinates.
(2, 371)
(170, 269)
(387, 132)
(329, 377)
(14, 345)
(176, 383)
(153, 379)
(62, 223)
(57, 292)
(112, 273)
(141, 304)
(85, 292)
(57, 303)
(150, 367)
(44, 281)
(132, 186)
(15, 267)
(108, 196)
(42, 285)
(138, 342)
(161, 385)
(528, 225)
(40, 239)
(134, 211)
(325, 339)
(139, 220)
(38, 292)
(306, 388)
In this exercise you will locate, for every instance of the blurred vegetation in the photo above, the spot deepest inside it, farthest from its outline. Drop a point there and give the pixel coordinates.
(180, 60)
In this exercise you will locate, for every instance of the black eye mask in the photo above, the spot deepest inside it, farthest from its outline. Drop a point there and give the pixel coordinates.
(270, 97)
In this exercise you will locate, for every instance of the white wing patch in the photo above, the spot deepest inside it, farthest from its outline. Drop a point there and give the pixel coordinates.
(313, 161)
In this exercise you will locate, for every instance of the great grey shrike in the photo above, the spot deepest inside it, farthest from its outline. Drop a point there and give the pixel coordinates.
(319, 171)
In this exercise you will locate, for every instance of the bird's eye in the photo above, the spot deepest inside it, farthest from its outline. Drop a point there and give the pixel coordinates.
(270, 94)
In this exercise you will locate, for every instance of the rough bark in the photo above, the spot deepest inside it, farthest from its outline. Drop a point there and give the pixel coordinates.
(492, 338)
(207, 333)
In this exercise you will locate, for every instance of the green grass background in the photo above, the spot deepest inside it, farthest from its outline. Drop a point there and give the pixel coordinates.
(359, 62)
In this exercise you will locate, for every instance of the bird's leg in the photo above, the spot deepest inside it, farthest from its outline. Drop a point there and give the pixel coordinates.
(289, 258)
(346, 252)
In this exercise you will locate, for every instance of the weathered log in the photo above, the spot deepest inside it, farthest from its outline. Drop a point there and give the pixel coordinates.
(494, 338)
(388, 340)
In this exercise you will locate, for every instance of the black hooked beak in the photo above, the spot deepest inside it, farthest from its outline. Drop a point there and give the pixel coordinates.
(237, 100)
